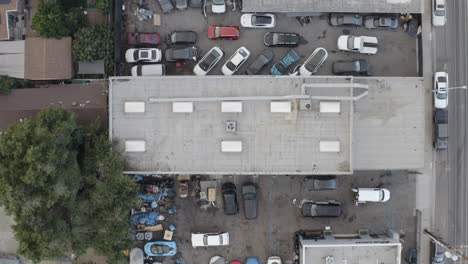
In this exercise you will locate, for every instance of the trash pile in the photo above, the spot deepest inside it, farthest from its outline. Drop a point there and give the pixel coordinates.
(153, 221)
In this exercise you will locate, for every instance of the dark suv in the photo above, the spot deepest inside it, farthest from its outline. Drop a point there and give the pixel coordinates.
(321, 209)
(354, 67)
(230, 199)
(181, 37)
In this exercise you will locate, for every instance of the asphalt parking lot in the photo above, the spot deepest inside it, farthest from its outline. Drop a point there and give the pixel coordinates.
(279, 218)
(397, 55)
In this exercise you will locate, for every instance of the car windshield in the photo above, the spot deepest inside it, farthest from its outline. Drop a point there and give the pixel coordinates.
(382, 195)
(250, 196)
(441, 95)
(440, 12)
(218, 2)
(153, 54)
(351, 43)
(261, 20)
(315, 62)
(206, 63)
(217, 32)
(135, 55)
(442, 79)
(160, 249)
(231, 66)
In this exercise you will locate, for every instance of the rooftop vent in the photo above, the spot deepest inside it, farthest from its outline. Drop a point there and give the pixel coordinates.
(231, 126)
(329, 260)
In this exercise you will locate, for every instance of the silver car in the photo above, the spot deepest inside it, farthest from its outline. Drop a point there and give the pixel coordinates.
(314, 62)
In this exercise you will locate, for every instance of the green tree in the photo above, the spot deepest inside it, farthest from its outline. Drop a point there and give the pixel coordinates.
(52, 20)
(9, 83)
(103, 6)
(65, 188)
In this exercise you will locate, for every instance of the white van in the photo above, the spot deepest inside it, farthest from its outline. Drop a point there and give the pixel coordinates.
(363, 195)
(149, 70)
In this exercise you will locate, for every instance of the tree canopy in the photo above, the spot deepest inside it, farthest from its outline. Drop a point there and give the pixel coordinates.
(65, 188)
(53, 20)
(8, 83)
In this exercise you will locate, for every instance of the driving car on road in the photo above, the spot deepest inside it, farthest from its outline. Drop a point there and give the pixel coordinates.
(345, 20)
(143, 55)
(230, 198)
(314, 62)
(381, 22)
(136, 38)
(440, 90)
(281, 39)
(439, 16)
(282, 66)
(223, 32)
(249, 195)
(437, 253)
(258, 20)
(351, 67)
(210, 239)
(260, 62)
(211, 58)
(321, 209)
(182, 54)
(181, 37)
(360, 44)
(237, 59)
(160, 248)
(218, 6)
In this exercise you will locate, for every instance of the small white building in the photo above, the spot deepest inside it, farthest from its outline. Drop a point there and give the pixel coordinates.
(360, 248)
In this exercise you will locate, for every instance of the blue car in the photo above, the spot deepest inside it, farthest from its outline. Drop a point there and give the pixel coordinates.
(252, 260)
(282, 66)
(161, 248)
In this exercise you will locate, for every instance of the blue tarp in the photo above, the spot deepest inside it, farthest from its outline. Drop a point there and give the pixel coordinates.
(145, 218)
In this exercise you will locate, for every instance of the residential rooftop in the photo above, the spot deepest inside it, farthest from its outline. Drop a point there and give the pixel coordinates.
(346, 6)
(379, 131)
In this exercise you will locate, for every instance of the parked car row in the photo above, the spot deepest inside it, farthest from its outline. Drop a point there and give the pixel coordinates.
(371, 22)
(249, 198)
(250, 260)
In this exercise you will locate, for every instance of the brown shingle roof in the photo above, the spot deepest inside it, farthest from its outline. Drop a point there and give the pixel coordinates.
(48, 59)
(87, 101)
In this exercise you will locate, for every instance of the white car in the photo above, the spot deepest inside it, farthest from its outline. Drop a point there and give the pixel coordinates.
(143, 55)
(218, 6)
(148, 70)
(258, 20)
(364, 195)
(361, 44)
(211, 58)
(314, 62)
(439, 16)
(274, 260)
(440, 90)
(235, 61)
(210, 239)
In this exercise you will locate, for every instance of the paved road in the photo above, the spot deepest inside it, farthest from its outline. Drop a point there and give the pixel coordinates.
(451, 55)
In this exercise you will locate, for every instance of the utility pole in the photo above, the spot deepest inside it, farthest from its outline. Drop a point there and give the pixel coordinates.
(454, 253)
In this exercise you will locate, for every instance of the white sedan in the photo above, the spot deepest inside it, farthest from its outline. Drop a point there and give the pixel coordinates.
(218, 7)
(206, 64)
(258, 20)
(235, 61)
(439, 15)
(440, 90)
(210, 239)
(143, 55)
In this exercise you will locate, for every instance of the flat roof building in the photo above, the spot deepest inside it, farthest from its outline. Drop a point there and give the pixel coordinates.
(361, 248)
(267, 125)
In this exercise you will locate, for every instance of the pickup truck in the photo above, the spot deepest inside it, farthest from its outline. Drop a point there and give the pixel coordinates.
(361, 44)
(441, 129)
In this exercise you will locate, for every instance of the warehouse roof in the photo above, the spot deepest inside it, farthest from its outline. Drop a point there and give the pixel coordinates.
(184, 125)
(361, 6)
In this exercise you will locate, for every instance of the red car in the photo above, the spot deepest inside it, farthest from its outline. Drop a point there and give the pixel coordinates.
(223, 32)
(135, 38)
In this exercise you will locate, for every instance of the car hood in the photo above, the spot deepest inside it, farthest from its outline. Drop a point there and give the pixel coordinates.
(246, 20)
(250, 208)
(218, 8)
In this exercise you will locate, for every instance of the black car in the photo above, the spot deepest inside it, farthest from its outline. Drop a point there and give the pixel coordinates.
(166, 6)
(230, 199)
(280, 39)
(181, 4)
(346, 20)
(321, 209)
(260, 62)
(319, 183)
(181, 37)
(354, 67)
(182, 54)
(249, 195)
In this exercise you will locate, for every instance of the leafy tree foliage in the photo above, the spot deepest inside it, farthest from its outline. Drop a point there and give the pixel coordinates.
(64, 187)
(53, 20)
(8, 83)
(103, 6)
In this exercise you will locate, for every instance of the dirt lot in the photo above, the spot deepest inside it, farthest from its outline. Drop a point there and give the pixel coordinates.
(397, 55)
(272, 232)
